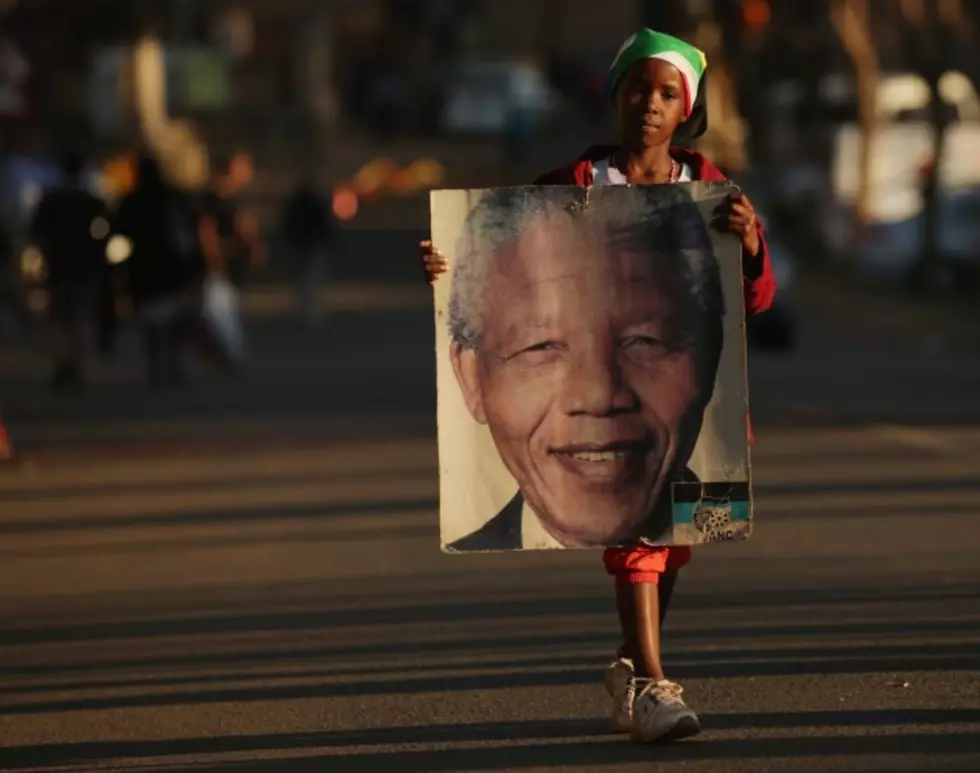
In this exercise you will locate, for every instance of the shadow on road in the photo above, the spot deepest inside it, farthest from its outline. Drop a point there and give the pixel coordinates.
(280, 513)
(560, 742)
(510, 609)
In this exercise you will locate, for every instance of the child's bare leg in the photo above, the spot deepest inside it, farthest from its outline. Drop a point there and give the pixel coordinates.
(627, 601)
(646, 602)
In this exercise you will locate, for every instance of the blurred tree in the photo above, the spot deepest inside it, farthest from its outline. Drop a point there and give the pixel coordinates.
(725, 140)
(850, 19)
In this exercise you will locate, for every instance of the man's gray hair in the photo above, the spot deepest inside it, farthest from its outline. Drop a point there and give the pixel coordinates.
(664, 217)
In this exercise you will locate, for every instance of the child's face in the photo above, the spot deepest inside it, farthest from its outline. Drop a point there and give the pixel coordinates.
(651, 102)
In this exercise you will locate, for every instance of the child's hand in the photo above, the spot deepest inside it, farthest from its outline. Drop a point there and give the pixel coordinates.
(737, 215)
(433, 261)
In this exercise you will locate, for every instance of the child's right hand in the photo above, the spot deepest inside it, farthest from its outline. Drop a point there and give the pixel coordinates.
(433, 261)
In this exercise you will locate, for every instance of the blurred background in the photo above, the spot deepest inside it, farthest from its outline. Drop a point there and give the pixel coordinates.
(218, 515)
(855, 125)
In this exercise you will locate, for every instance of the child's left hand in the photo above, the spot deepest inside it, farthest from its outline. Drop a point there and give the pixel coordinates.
(737, 215)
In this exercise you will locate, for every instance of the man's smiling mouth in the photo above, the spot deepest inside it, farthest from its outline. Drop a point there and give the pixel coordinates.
(598, 456)
(606, 462)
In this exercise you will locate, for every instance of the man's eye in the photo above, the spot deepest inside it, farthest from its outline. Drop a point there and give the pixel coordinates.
(543, 346)
(645, 345)
(539, 350)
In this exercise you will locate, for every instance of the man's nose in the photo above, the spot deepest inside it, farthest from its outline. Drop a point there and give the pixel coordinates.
(595, 385)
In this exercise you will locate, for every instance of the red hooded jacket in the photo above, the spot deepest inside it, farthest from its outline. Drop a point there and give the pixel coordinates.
(758, 283)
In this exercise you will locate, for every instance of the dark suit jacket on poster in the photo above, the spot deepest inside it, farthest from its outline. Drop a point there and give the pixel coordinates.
(504, 530)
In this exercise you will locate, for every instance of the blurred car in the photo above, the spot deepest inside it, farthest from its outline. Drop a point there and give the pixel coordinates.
(489, 98)
(776, 328)
(890, 249)
(890, 240)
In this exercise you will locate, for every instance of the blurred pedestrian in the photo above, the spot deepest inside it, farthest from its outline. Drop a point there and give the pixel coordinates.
(70, 227)
(308, 228)
(232, 247)
(229, 234)
(656, 84)
(160, 223)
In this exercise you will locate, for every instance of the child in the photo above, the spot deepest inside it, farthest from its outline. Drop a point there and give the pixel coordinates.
(656, 83)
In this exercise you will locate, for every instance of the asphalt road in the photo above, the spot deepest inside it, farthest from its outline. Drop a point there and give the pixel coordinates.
(245, 576)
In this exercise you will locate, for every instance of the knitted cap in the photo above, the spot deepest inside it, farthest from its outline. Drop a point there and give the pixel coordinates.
(648, 44)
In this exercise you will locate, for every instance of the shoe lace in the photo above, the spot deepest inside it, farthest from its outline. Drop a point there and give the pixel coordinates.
(630, 694)
(663, 691)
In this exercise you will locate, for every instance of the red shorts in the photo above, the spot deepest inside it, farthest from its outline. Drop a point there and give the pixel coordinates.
(642, 564)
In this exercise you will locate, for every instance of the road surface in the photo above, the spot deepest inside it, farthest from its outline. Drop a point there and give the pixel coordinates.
(246, 577)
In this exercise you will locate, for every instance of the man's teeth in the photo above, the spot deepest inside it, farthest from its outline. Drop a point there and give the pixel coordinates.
(599, 456)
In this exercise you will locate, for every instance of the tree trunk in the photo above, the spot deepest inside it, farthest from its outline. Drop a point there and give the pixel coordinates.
(850, 19)
(725, 139)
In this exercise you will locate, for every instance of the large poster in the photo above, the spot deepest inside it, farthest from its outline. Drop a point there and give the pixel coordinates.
(590, 350)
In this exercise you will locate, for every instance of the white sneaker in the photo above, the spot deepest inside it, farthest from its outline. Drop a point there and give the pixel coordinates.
(620, 686)
(660, 714)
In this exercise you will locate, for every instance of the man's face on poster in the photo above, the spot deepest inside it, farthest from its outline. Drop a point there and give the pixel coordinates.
(589, 389)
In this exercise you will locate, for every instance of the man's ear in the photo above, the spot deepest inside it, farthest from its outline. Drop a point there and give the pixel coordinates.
(465, 366)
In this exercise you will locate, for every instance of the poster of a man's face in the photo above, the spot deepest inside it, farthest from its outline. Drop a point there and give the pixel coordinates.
(581, 342)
